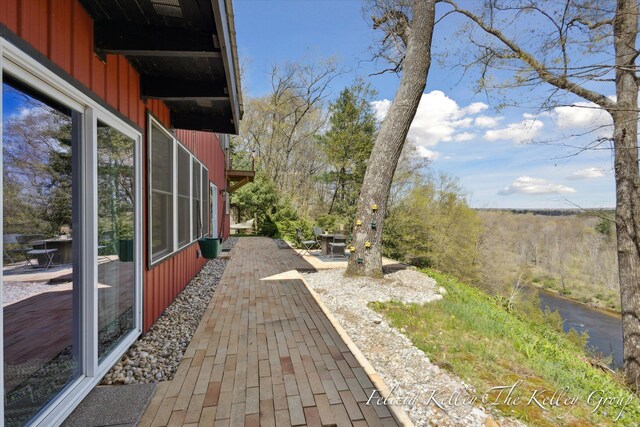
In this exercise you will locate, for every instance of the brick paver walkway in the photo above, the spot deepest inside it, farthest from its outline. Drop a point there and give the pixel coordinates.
(265, 354)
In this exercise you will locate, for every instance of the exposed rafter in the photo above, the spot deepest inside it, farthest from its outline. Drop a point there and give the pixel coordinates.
(201, 121)
(167, 88)
(128, 38)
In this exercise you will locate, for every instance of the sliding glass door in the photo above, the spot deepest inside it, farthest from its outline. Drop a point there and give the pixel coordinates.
(72, 249)
(115, 238)
(42, 323)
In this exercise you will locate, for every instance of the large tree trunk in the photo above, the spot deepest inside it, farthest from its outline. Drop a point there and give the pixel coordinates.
(625, 137)
(388, 146)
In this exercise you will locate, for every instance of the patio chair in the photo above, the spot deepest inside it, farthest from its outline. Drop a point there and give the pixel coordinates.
(11, 247)
(317, 232)
(340, 242)
(307, 245)
(26, 245)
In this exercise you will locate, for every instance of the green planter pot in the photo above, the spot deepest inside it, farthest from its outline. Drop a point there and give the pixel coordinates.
(210, 247)
(125, 250)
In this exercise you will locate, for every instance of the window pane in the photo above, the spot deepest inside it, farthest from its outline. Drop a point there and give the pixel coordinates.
(41, 291)
(197, 215)
(116, 272)
(162, 155)
(206, 209)
(184, 213)
(161, 193)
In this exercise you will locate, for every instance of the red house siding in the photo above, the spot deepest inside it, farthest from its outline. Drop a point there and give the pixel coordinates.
(63, 31)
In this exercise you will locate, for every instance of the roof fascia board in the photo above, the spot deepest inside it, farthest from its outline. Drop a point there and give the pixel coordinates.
(224, 36)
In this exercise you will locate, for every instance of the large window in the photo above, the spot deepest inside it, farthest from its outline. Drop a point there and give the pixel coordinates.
(71, 277)
(162, 169)
(179, 198)
(184, 197)
(197, 201)
(205, 202)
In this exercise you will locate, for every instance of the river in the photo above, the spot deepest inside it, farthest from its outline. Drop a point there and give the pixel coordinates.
(604, 329)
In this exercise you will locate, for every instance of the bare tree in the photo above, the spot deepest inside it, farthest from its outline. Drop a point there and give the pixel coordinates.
(577, 29)
(515, 291)
(281, 127)
(408, 29)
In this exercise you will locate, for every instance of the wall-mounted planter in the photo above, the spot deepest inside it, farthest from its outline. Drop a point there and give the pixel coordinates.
(210, 247)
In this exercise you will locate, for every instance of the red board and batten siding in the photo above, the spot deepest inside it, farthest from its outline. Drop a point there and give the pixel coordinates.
(63, 31)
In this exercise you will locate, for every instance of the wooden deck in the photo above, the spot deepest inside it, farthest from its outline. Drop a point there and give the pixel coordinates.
(265, 354)
(38, 328)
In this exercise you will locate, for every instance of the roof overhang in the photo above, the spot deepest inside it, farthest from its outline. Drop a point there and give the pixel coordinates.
(185, 52)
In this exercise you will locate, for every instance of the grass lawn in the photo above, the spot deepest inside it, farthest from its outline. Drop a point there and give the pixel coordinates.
(472, 335)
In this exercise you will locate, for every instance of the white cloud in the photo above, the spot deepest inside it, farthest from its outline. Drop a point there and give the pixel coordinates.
(486, 121)
(425, 153)
(381, 108)
(537, 115)
(586, 174)
(520, 133)
(475, 108)
(24, 112)
(534, 186)
(438, 119)
(462, 123)
(464, 136)
(583, 117)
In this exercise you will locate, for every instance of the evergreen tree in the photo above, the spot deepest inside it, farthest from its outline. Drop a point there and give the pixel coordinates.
(347, 146)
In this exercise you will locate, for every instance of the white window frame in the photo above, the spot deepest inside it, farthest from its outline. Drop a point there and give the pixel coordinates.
(213, 207)
(152, 121)
(205, 209)
(176, 217)
(24, 68)
(193, 193)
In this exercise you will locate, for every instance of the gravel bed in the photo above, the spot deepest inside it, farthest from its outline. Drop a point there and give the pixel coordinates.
(405, 369)
(156, 356)
(13, 292)
(229, 243)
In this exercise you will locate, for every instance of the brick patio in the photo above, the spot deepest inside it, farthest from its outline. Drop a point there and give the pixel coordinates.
(265, 354)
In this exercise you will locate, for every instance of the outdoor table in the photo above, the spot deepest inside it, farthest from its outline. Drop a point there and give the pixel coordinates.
(63, 255)
(331, 238)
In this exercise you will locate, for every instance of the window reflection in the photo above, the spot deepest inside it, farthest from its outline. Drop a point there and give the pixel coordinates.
(41, 292)
(116, 273)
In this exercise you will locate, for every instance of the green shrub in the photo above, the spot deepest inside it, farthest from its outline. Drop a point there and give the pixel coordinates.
(268, 227)
(433, 226)
(553, 319)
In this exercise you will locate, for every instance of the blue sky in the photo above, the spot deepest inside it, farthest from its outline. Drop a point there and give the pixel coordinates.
(491, 152)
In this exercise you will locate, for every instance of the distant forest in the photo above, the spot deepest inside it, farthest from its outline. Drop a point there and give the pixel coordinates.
(574, 255)
(553, 212)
